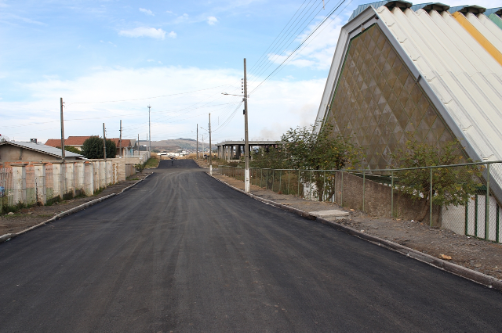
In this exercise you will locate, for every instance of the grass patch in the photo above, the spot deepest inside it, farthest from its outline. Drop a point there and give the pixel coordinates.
(152, 163)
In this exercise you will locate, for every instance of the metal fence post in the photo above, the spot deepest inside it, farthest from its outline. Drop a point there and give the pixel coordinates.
(289, 181)
(430, 201)
(392, 194)
(280, 181)
(310, 185)
(364, 185)
(273, 179)
(487, 201)
(324, 187)
(341, 192)
(299, 170)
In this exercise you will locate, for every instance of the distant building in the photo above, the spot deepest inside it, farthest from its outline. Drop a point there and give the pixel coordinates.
(74, 141)
(32, 152)
(127, 145)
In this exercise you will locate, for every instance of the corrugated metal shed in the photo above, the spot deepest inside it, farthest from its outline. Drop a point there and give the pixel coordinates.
(56, 152)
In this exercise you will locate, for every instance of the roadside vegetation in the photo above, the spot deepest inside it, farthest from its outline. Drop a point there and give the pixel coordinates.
(451, 186)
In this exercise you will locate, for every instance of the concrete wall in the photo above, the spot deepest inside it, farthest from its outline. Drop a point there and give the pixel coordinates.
(31, 183)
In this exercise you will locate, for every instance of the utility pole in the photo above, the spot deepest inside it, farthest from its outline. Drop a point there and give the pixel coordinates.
(120, 140)
(197, 151)
(63, 155)
(138, 144)
(246, 141)
(149, 130)
(203, 149)
(210, 152)
(104, 142)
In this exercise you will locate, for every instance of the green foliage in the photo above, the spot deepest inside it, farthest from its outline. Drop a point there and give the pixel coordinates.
(450, 186)
(152, 163)
(93, 148)
(303, 148)
(72, 149)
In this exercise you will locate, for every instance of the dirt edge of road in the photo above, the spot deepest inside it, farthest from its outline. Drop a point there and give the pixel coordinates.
(76, 205)
(343, 225)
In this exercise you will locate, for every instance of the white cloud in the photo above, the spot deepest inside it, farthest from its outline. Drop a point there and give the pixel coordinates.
(146, 11)
(211, 20)
(275, 107)
(318, 50)
(172, 34)
(144, 32)
(181, 19)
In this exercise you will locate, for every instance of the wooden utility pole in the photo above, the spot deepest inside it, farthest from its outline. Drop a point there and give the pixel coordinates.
(104, 142)
(149, 130)
(197, 149)
(210, 151)
(246, 141)
(138, 144)
(63, 155)
(120, 140)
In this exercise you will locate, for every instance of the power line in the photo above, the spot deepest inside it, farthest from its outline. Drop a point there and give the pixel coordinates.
(257, 63)
(291, 37)
(146, 98)
(299, 46)
(278, 54)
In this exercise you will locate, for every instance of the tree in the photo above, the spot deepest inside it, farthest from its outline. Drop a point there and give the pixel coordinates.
(450, 186)
(72, 149)
(93, 148)
(303, 148)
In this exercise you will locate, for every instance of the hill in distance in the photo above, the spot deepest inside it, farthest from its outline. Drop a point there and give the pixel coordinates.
(175, 145)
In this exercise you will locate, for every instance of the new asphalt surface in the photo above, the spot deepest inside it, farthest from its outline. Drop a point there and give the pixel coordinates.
(182, 252)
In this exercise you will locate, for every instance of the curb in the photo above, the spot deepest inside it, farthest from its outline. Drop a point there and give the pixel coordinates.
(467, 273)
(7, 237)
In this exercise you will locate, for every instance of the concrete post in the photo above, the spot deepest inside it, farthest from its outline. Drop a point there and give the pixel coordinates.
(70, 186)
(40, 183)
(56, 180)
(102, 174)
(95, 168)
(19, 184)
(81, 176)
(89, 178)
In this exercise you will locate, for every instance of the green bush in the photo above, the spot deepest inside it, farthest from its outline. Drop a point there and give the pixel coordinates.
(93, 148)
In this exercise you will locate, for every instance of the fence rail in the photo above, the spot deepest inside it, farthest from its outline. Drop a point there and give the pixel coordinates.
(382, 193)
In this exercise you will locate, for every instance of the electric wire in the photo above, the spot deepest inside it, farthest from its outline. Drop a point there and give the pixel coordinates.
(279, 54)
(299, 46)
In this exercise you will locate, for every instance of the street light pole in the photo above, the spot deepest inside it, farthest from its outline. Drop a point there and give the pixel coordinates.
(246, 141)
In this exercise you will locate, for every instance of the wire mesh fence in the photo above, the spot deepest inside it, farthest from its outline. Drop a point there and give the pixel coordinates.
(464, 198)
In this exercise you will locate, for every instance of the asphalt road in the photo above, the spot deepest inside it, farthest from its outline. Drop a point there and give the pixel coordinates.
(182, 252)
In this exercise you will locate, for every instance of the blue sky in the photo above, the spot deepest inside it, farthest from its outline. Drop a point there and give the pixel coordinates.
(109, 59)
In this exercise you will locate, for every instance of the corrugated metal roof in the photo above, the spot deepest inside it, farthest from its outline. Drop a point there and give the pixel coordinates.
(389, 4)
(437, 6)
(496, 11)
(467, 9)
(42, 148)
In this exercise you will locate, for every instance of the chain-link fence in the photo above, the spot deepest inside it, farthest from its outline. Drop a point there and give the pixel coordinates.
(464, 198)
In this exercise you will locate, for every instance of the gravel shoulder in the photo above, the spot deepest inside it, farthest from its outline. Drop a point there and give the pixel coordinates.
(475, 254)
(28, 217)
